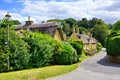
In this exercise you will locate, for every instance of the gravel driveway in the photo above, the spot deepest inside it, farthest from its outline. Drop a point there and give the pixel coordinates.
(94, 68)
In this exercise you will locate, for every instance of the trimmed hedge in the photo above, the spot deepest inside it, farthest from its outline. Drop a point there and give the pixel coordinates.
(64, 54)
(77, 45)
(113, 45)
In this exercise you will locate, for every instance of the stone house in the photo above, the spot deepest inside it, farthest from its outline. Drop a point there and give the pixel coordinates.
(90, 43)
(51, 28)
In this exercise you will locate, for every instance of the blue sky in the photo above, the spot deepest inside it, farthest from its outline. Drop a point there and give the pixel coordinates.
(42, 10)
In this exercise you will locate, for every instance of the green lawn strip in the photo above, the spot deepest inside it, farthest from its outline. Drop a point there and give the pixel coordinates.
(40, 73)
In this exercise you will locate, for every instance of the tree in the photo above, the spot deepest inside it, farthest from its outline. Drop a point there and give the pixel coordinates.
(93, 22)
(71, 22)
(15, 22)
(16, 52)
(83, 23)
(100, 31)
(116, 27)
(110, 26)
(83, 30)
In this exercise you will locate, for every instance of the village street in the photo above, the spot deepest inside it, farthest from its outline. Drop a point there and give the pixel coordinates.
(94, 68)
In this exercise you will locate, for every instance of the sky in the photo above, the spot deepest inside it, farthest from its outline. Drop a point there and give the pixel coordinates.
(42, 10)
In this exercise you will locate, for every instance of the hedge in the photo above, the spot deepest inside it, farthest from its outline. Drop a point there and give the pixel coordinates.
(113, 45)
(77, 45)
(64, 54)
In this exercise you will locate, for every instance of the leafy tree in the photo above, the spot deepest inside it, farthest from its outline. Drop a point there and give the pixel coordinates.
(71, 22)
(56, 20)
(83, 30)
(84, 23)
(15, 22)
(93, 22)
(66, 28)
(14, 50)
(116, 27)
(110, 26)
(100, 31)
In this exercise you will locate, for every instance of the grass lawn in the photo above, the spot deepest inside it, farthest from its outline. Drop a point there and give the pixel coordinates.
(40, 73)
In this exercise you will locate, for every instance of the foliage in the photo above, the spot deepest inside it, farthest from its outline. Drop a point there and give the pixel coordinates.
(113, 45)
(84, 23)
(82, 30)
(100, 32)
(93, 22)
(66, 28)
(15, 22)
(77, 45)
(64, 54)
(110, 26)
(71, 22)
(19, 55)
(16, 50)
(99, 47)
(40, 49)
(116, 26)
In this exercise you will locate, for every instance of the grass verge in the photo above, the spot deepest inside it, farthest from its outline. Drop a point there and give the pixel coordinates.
(40, 73)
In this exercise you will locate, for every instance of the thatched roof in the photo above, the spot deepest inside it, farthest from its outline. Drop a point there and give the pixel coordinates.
(47, 24)
(18, 27)
(48, 27)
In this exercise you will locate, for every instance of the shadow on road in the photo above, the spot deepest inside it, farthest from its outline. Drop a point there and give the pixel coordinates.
(105, 62)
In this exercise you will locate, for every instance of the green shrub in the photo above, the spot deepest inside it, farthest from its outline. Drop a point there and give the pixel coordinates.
(113, 45)
(19, 55)
(41, 50)
(99, 47)
(116, 26)
(16, 51)
(64, 54)
(77, 45)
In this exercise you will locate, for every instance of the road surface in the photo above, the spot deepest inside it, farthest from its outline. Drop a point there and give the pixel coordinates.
(94, 68)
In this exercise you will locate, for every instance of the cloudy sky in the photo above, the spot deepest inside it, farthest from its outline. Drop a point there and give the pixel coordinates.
(42, 10)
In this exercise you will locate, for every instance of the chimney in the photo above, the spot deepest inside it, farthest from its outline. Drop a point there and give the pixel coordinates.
(73, 29)
(77, 30)
(29, 22)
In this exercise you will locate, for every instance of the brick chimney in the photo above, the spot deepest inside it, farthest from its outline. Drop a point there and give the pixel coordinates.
(29, 22)
(77, 30)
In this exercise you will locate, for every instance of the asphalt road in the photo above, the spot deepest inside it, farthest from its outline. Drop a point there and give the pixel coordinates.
(94, 68)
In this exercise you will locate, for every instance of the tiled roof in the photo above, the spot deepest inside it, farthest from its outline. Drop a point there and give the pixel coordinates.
(86, 39)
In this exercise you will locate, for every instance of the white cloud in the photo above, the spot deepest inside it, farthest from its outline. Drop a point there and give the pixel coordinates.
(40, 10)
(14, 16)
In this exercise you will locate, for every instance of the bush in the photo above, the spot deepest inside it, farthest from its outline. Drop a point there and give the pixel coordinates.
(64, 54)
(17, 52)
(77, 45)
(19, 55)
(41, 50)
(99, 47)
(113, 45)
